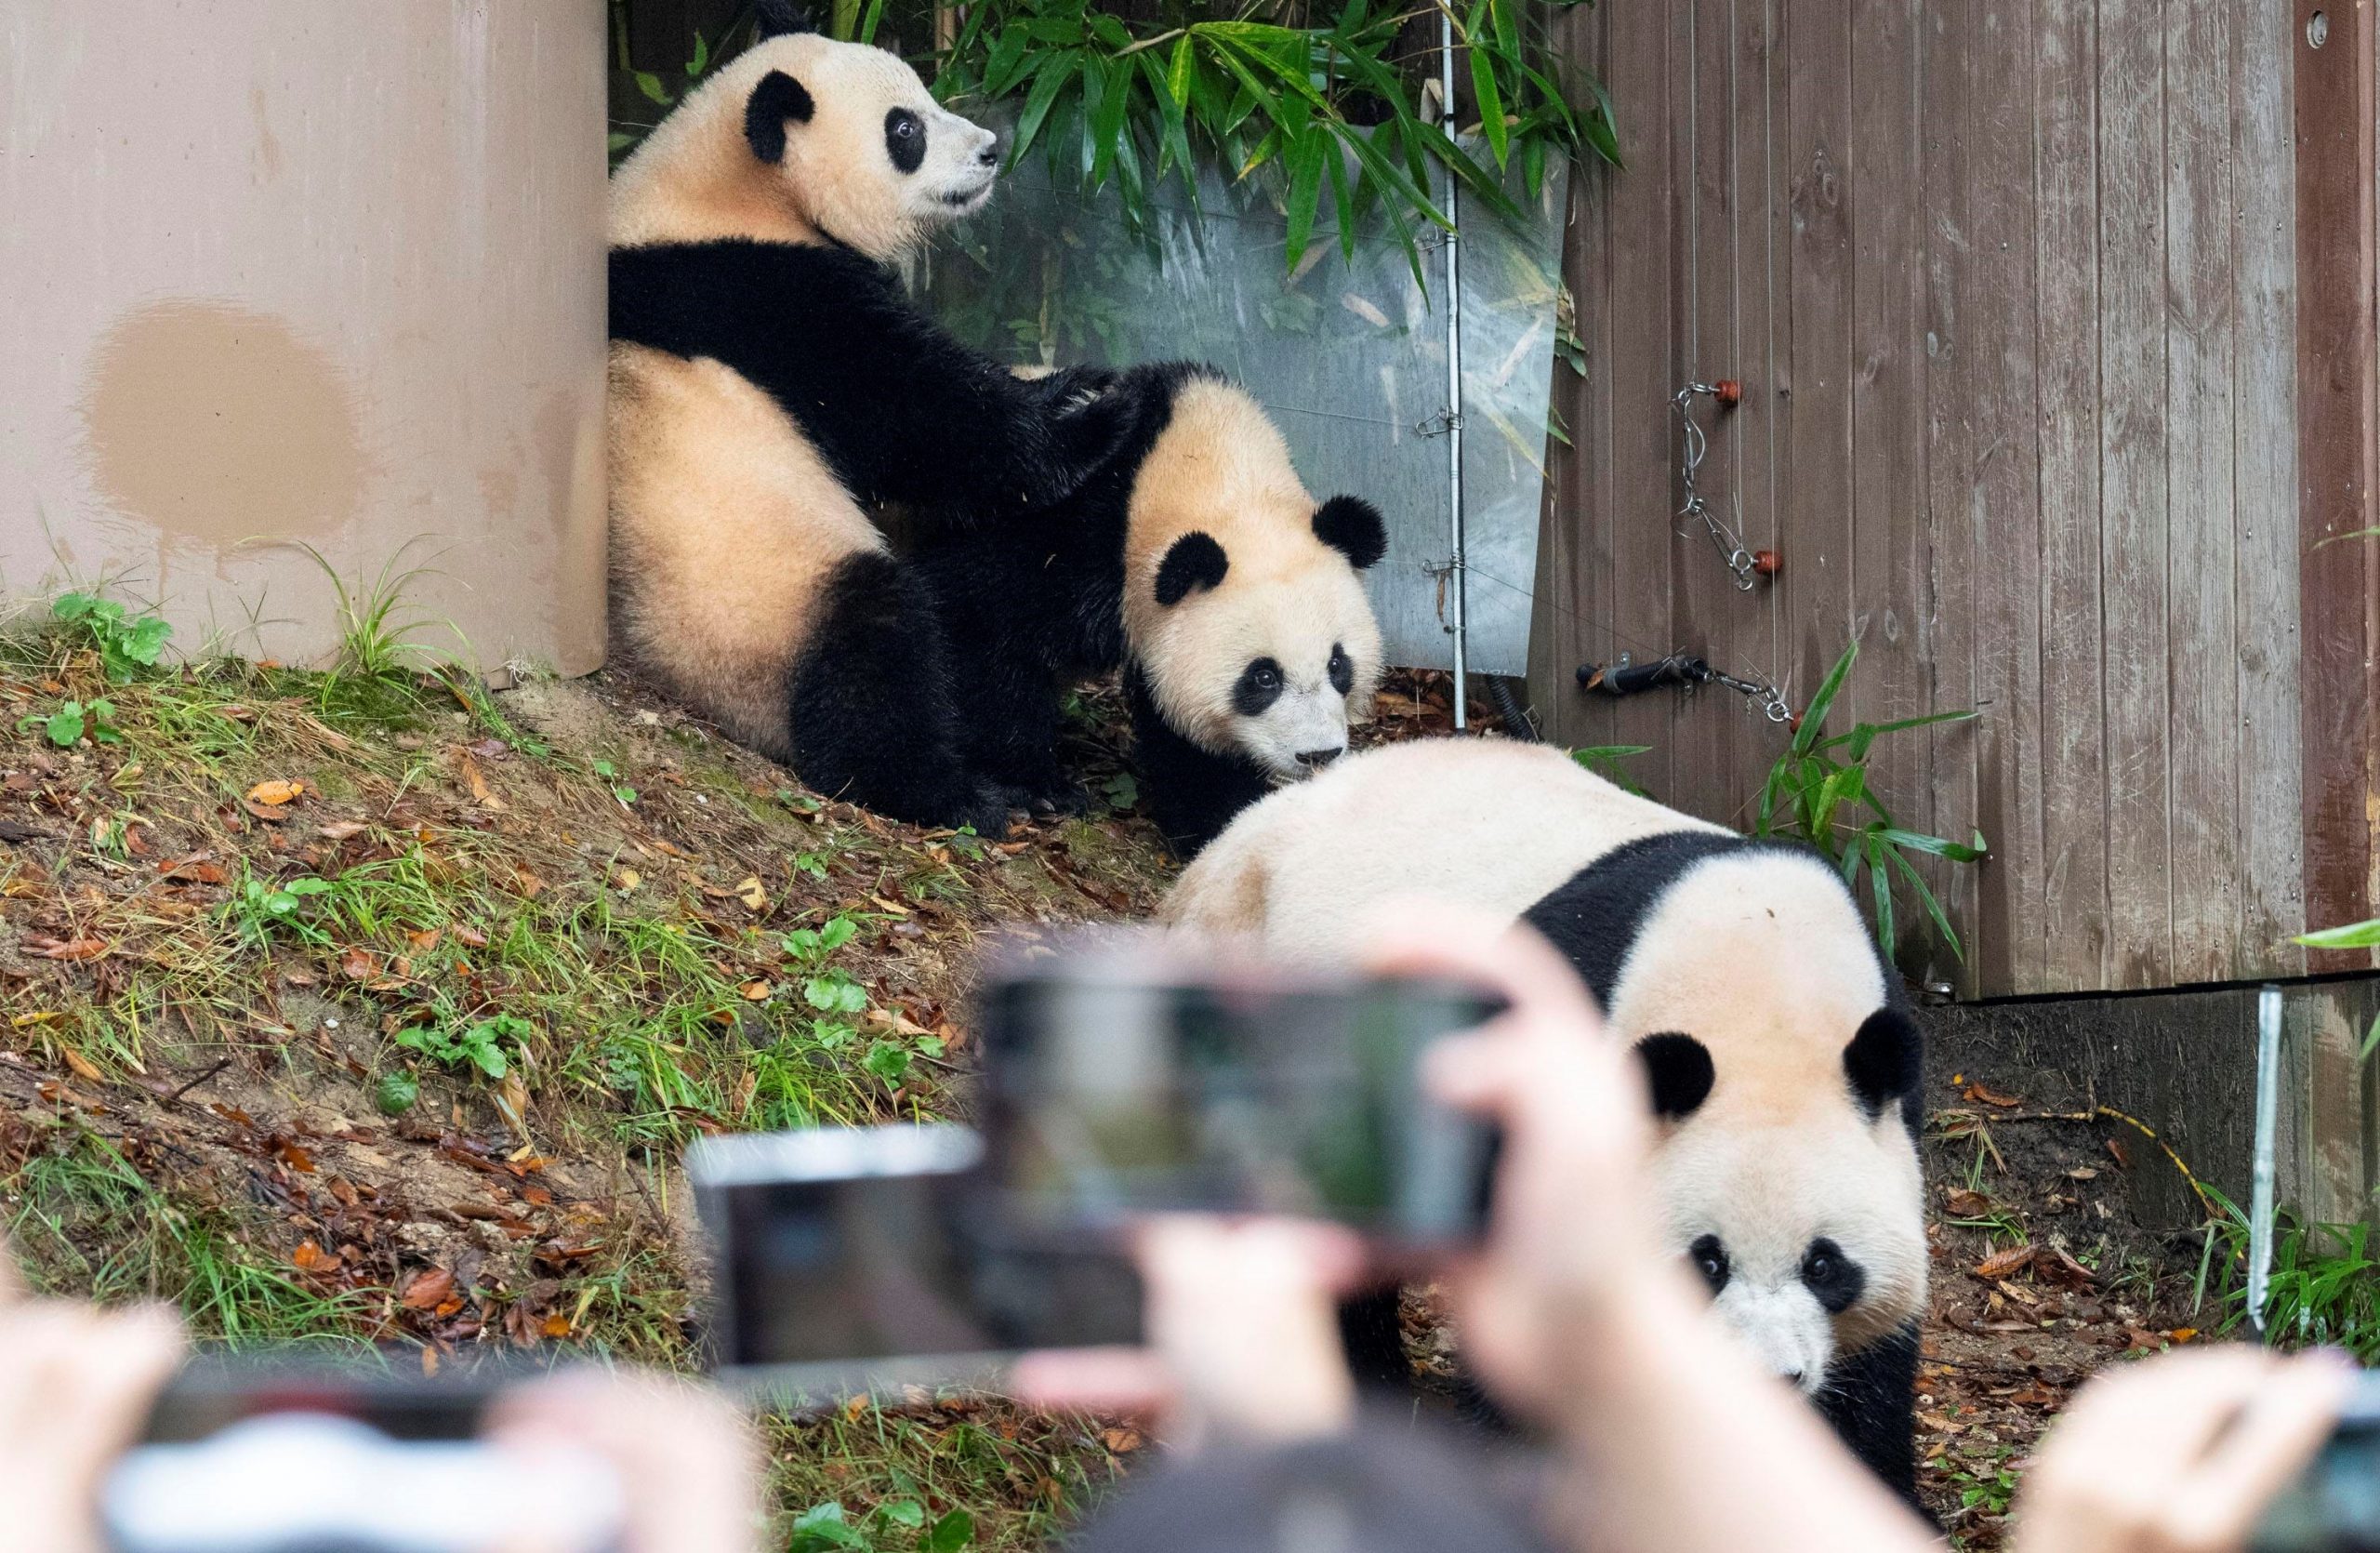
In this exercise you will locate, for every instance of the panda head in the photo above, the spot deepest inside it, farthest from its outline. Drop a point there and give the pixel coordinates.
(799, 138)
(1246, 608)
(1783, 1073)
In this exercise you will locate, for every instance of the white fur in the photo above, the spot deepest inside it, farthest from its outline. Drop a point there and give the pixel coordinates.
(1764, 960)
(1220, 468)
(695, 178)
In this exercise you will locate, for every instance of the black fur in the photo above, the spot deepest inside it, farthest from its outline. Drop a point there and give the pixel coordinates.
(1037, 602)
(1886, 1062)
(905, 139)
(901, 411)
(1871, 1401)
(779, 97)
(1353, 527)
(1193, 561)
(1677, 1068)
(1834, 1280)
(777, 19)
(1192, 793)
(875, 719)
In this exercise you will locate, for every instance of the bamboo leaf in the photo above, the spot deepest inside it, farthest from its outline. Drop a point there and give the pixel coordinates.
(1305, 162)
(1814, 719)
(1052, 79)
(1491, 102)
(2355, 935)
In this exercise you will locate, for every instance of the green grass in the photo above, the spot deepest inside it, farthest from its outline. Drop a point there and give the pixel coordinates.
(84, 1220)
(2324, 1289)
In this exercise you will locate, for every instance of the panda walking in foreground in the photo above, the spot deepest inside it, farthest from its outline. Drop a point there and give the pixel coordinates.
(771, 385)
(1196, 562)
(1782, 1057)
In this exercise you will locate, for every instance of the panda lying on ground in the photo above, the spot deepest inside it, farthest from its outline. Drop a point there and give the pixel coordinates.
(1783, 1060)
(770, 382)
(1197, 561)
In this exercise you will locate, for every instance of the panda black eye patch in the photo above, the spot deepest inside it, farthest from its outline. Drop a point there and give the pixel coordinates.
(1343, 670)
(1260, 685)
(1710, 1259)
(905, 140)
(1833, 1278)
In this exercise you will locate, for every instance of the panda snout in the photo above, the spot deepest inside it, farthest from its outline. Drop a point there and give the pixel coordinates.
(1315, 760)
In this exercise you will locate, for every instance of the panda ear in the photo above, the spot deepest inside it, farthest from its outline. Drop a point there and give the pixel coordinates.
(1196, 560)
(778, 18)
(1353, 527)
(1884, 1061)
(777, 99)
(1679, 1068)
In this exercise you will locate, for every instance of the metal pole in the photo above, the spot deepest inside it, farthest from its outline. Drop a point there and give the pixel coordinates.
(2260, 1202)
(1454, 371)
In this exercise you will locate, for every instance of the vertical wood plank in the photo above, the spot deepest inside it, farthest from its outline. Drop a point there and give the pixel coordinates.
(1888, 441)
(1708, 613)
(1643, 248)
(2072, 915)
(2335, 172)
(2203, 637)
(1951, 56)
(2133, 496)
(1763, 228)
(2006, 541)
(2268, 788)
(1815, 591)
(1573, 615)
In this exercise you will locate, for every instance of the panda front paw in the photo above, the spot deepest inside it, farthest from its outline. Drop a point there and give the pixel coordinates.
(1084, 434)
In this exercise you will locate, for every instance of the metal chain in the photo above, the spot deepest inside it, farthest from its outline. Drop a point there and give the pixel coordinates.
(1739, 561)
(1767, 696)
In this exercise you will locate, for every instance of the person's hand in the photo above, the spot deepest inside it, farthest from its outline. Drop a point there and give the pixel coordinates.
(2178, 1454)
(1572, 1225)
(75, 1385)
(687, 1463)
(1243, 1333)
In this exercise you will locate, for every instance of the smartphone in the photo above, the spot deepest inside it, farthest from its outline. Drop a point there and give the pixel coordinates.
(868, 1260)
(2335, 1506)
(259, 1453)
(1124, 1080)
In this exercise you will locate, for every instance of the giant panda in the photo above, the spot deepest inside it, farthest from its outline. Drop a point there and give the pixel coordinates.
(1782, 1055)
(771, 385)
(1197, 561)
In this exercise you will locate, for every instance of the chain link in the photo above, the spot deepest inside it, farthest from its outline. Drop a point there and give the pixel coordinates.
(1739, 561)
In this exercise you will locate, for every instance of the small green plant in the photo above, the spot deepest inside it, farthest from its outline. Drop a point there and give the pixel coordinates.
(73, 721)
(375, 627)
(1120, 792)
(127, 644)
(261, 906)
(610, 773)
(1988, 1488)
(895, 1523)
(396, 1092)
(2324, 1289)
(479, 1044)
(1816, 790)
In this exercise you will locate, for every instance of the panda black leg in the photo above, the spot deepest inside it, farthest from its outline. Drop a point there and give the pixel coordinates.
(1871, 1400)
(874, 718)
(1192, 794)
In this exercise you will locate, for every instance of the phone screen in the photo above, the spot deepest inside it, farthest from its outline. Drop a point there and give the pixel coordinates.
(1109, 1097)
(869, 1259)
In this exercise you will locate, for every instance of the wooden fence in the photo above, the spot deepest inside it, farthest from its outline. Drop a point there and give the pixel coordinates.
(2054, 319)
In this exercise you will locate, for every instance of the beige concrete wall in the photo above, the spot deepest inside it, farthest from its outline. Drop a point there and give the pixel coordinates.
(283, 270)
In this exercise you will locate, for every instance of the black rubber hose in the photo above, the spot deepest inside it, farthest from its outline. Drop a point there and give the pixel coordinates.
(1508, 707)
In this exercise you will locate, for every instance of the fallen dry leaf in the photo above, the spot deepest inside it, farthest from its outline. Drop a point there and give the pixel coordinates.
(276, 793)
(194, 870)
(556, 1325)
(1993, 1097)
(357, 964)
(755, 992)
(2000, 1264)
(1962, 1203)
(626, 879)
(81, 1064)
(478, 783)
(428, 1291)
(309, 1258)
(339, 830)
(67, 949)
(751, 893)
(427, 939)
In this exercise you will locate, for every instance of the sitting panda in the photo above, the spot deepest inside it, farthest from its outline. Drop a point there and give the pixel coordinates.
(1197, 562)
(1782, 1055)
(771, 385)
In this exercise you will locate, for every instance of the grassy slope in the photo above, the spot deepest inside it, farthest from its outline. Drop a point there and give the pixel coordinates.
(211, 1006)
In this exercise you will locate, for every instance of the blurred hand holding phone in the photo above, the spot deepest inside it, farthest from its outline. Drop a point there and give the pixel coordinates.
(1120, 1082)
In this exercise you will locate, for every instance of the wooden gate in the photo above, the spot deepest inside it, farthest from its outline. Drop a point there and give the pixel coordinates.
(2057, 345)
